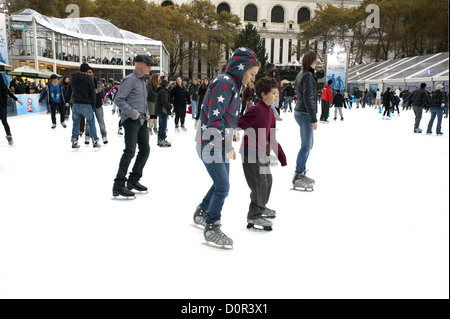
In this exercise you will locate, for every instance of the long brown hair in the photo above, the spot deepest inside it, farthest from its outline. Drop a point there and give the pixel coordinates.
(154, 80)
(308, 59)
(182, 83)
(203, 85)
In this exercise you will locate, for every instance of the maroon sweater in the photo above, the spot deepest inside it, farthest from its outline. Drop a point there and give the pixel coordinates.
(261, 119)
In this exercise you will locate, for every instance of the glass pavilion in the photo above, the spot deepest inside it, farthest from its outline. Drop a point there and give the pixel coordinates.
(61, 45)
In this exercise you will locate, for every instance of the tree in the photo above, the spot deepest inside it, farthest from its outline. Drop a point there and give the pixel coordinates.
(250, 38)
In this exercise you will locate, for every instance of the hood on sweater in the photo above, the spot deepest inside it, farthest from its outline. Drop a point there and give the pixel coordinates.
(160, 88)
(239, 62)
(79, 77)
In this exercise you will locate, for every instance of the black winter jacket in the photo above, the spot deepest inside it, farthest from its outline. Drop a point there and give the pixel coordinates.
(306, 86)
(179, 97)
(387, 98)
(419, 98)
(437, 99)
(83, 89)
(162, 101)
(338, 100)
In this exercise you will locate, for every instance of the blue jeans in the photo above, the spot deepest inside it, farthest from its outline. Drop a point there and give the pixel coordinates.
(220, 174)
(101, 121)
(288, 103)
(307, 137)
(435, 111)
(88, 113)
(194, 105)
(162, 127)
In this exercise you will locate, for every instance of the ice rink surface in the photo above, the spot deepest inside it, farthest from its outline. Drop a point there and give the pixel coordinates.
(376, 226)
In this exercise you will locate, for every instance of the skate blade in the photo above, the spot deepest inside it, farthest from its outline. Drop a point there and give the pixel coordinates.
(136, 192)
(269, 217)
(224, 247)
(119, 197)
(259, 229)
(302, 189)
(198, 227)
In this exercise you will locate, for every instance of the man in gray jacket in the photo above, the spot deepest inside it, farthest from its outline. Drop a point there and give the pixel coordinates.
(132, 101)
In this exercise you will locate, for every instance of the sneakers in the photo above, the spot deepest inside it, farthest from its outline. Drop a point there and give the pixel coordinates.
(10, 140)
(216, 238)
(105, 139)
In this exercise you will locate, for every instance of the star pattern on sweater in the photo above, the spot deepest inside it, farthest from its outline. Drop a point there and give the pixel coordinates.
(216, 112)
(221, 99)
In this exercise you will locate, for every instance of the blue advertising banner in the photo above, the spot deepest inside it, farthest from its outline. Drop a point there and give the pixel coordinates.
(30, 105)
(4, 57)
(337, 70)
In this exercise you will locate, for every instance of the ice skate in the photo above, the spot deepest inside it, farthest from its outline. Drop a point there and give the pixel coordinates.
(86, 139)
(75, 145)
(53, 126)
(164, 143)
(64, 125)
(10, 140)
(123, 193)
(105, 140)
(95, 144)
(216, 238)
(120, 131)
(137, 187)
(269, 213)
(155, 130)
(183, 128)
(259, 224)
(200, 218)
(303, 183)
(177, 129)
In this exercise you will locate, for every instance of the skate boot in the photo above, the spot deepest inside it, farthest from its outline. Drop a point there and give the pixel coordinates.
(10, 140)
(303, 183)
(86, 139)
(259, 224)
(183, 128)
(177, 129)
(137, 186)
(155, 130)
(123, 193)
(63, 125)
(200, 218)
(95, 144)
(216, 238)
(269, 213)
(120, 131)
(105, 139)
(53, 126)
(75, 143)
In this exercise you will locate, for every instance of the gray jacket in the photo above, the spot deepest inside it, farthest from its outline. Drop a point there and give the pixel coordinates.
(132, 97)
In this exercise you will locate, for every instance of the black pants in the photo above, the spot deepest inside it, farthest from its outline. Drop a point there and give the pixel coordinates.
(325, 110)
(387, 110)
(418, 111)
(3, 116)
(60, 107)
(259, 180)
(135, 134)
(180, 114)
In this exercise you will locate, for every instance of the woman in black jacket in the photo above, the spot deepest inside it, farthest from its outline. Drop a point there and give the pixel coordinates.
(179, 97)
(151, 100)
(201, 95)
(305, 115)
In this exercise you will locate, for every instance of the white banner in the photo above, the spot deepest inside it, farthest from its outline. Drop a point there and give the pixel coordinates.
(337, 65)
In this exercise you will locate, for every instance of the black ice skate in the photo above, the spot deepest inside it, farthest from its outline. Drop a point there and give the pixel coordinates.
(216, 238)
(200, 218)
(302, 183)
(95, 144)
(10, 140)
(137, 187)
(75, 145)
(259, 224)
(123, 193)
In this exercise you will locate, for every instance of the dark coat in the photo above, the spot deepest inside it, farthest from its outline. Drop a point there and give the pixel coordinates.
(179, 97)
(162, 101)
(306, 86)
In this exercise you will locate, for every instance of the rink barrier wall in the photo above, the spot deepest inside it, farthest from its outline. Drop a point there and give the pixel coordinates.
(30, 105)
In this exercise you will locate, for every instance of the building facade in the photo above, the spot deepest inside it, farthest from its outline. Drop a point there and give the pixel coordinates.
(276, 20)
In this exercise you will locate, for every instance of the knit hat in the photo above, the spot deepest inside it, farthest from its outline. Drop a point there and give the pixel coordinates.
(439, 87)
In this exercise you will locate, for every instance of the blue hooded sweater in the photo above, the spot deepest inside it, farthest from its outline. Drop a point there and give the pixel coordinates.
(220, 108)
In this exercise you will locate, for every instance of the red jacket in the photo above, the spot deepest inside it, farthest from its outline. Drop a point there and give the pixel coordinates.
(327, 93)
(257, 117)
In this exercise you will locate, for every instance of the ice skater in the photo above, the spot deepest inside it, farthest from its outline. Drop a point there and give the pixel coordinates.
(339, 102)
(215, 136)
(388, 98)
(437, 107)
(4, 93)
(257, 122)
(132, 101)
(305, 115)
(55, 96)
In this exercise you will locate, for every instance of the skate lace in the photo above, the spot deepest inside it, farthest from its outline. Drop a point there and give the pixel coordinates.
(217, 234)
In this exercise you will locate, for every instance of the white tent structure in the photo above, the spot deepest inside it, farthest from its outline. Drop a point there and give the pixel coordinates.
(406, 73)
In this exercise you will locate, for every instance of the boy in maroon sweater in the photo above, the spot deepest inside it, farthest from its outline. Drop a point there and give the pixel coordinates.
(259, 138)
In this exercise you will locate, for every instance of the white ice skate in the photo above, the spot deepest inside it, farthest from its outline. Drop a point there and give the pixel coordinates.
(214, 237)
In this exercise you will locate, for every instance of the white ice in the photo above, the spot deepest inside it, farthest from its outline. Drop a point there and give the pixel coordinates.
(376, 226)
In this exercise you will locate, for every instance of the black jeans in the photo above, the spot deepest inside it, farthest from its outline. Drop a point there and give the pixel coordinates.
(3, 116)
(259, 180)
(61, 110)
(135, 134)
(325, 110)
